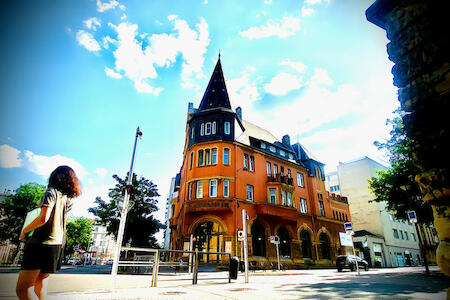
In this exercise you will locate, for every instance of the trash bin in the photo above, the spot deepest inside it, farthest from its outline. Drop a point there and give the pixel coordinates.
(234, 264)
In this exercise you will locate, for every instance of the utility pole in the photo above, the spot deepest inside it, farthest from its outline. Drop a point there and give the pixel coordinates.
(422, 250)
(123, 215)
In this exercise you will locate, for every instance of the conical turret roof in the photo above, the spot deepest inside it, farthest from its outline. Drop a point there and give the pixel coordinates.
(216, 95)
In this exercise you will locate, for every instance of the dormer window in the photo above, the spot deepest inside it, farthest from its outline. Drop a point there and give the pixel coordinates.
(214, 127)
(282, 153)
(291, 156)
(226, 126)
(202, 129)
(272, 149)
(263, 145)
(208, 128)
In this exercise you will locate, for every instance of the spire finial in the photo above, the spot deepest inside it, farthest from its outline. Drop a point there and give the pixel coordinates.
(219, 54)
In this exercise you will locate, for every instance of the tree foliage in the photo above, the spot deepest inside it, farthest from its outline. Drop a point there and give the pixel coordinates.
(15, 208)
(78, 233)
(396, 186)
(141, 226)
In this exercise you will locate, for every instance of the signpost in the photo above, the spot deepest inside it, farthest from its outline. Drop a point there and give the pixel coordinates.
(413, 219)
(274, 239)
(244, 227)
(348, 226)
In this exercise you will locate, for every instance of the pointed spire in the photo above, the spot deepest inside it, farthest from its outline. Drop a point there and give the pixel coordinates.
(216, 94)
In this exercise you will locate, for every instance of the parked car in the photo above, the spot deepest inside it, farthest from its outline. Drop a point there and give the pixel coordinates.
(110, 261)
(74, 261)
(349, 261)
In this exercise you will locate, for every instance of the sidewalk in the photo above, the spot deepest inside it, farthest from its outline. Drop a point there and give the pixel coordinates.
(405, 283)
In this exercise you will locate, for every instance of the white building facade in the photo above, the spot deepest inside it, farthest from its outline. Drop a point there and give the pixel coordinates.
(102, 243)
(388, 242)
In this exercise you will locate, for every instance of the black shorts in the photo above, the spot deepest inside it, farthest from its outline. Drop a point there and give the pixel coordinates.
(47, 258)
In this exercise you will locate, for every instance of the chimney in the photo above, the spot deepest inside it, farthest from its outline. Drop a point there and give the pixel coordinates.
(239, 112)
(286, 140)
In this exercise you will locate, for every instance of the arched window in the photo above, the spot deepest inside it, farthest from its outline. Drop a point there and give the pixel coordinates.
(258, 239)
(209, 238)
(324, 246)
(285, 242)
(306, 243)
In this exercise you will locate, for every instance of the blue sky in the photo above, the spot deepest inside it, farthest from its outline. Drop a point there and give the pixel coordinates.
(78, 77)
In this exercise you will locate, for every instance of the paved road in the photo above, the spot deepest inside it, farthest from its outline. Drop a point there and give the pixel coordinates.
(399, 283)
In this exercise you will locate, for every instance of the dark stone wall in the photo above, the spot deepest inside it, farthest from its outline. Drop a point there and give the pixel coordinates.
(419, 46)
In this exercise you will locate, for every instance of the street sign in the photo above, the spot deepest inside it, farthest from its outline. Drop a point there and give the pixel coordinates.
(346, 240)
(412, 216)
(274, 239)
(240, 235)
(76, 248)
(348, 228)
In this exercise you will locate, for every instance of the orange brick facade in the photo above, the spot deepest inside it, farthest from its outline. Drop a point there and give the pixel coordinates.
(283, 195)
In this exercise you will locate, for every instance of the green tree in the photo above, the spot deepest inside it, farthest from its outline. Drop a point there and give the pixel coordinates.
(396, 186)
(141, 226)
(78, 233)
(15, 208)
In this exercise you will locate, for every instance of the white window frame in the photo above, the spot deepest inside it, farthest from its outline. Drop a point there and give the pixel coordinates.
(214, 156)
(321, 208)
(202, 161)
(303, 206)
(269, 168)
(199, 186)
(189, 190)
(213, 130)
(226, 128)
(192, 132)
(202, 129)
(227, 156)
(208, 128)
(226, 188)
(213, 188)
(252, 163)
(207, 157)
(251, 190)
(275, 196)
(275, 169)
(300, 183)
(191, 163)
(245, 161)
(283, 197)
(289, 198)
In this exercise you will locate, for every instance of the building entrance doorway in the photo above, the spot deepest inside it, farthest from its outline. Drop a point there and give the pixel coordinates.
(209, 238)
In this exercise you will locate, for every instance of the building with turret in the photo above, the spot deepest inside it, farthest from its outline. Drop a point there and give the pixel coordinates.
(230, 164)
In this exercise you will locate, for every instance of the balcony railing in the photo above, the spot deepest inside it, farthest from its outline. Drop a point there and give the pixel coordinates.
(280, 178)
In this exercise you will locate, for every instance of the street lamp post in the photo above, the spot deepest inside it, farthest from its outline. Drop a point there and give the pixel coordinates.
(123, 215)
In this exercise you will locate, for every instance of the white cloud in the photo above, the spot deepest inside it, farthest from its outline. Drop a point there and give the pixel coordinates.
(102, 7)
(92, 23)
(321, 77)
(107, 40)
(268, 2)
(86, 40)
(281, 28)
(113, 74)
(139, 62)
(123, 17)
(283, 83)
(122, 7)
(307, 11)
(9, 157)
(243, 91)
(314, 2)
(101, 172)
(296, 65)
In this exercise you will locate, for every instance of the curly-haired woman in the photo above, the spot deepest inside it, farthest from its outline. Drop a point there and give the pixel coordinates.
(44, 249)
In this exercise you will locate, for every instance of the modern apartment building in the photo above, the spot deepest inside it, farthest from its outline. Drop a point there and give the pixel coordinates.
(103, 244)
(230, 164)
(382, 239)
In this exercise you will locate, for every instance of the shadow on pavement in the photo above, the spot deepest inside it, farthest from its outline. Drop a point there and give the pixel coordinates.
(376, 284)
